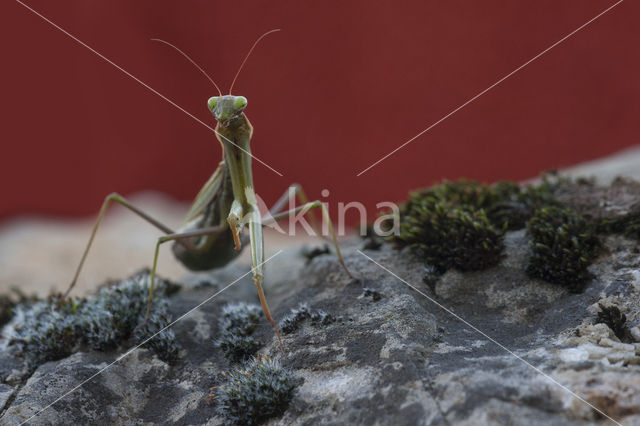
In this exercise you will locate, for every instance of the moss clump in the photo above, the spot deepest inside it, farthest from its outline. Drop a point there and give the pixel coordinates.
(53, 329)
(563, 245)
(239, 321)
(616, 321)
(507, 204)
(112, 316)
(446, 235)
(260, 390)
(45, 331)
(238, 348)
(292, 321)
(161, 340)
(240, 318)
(375, 295)
(627, 225)
(461, 224)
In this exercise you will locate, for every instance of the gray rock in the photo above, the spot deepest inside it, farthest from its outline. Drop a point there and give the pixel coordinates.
(525, 349)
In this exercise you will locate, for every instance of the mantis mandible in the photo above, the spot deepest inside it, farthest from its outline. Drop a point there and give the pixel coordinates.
(210, 236)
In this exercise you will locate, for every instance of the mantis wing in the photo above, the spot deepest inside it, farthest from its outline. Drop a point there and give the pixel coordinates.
(206, 194)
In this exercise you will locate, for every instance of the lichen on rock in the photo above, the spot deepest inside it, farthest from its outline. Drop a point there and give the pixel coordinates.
(53, 329)
(239, 321)
(259, 390)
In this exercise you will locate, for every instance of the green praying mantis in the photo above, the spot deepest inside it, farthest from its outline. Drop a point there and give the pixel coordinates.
(210, 236)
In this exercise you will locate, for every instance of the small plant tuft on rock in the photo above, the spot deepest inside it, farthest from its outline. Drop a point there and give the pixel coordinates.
(461, 224)
(45, 331)
(53, 329)
(240, 318)
(161, 341)
(292, 321)
(237, 348)
(616, 321)
(450, 236)
(375, 295)
(309, 253)
(563, 245)
(239, 321)
(260, 390)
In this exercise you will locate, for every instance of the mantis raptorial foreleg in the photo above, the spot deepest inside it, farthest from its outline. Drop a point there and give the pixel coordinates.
(116, 198)
(257, 261)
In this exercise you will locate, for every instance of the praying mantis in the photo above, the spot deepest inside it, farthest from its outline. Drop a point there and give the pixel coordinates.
(210, 236)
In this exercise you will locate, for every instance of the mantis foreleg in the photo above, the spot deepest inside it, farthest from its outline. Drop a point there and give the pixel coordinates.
(257, 260)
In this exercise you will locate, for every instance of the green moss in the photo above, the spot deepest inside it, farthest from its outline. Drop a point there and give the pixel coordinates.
(563, 245)
(239, 321)
(53, 329)
(616, 321)
(260, 390)
(447, 236)
(461, 224)
(627, 225)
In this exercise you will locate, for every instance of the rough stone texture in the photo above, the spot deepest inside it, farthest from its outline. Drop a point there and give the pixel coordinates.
(400, 359)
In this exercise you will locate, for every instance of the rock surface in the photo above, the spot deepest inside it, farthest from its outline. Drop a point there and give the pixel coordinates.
(397, 358)
(404, 348)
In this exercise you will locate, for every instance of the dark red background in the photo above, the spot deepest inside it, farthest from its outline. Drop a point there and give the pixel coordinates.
(343, 84)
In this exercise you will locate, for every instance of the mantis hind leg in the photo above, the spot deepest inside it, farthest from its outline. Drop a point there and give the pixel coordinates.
(117, 198)
(305, 208)
(298, 192)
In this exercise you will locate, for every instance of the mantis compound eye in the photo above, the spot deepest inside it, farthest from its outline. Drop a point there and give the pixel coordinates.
(239, 103)
(212, 102)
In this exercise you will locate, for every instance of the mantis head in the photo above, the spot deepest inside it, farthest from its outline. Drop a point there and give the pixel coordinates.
(224, 108)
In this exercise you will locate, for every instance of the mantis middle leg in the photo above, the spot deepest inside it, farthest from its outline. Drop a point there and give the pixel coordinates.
(305, 208)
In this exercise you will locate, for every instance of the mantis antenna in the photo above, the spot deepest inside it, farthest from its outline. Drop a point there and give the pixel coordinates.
(249, 54)
(192, 61)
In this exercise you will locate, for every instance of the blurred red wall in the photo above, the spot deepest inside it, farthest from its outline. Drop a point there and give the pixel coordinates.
(343, 84)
